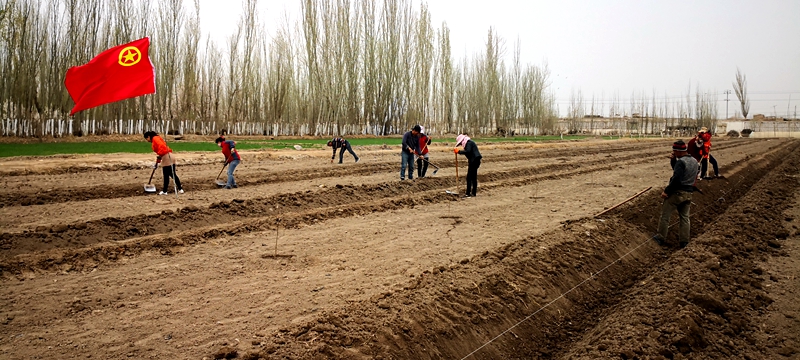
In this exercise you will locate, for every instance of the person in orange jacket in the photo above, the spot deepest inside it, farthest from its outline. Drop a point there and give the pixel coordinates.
(705, 137)
(166, 159)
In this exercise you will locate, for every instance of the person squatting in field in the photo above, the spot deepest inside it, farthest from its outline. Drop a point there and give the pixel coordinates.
(410, 149)
(166, 159)
(705, 137)
(232, 159)
(678, 193)
(342, 144)
(474, 159)
(422, 159)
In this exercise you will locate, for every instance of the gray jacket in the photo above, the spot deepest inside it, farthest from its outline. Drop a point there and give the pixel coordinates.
(684, 175)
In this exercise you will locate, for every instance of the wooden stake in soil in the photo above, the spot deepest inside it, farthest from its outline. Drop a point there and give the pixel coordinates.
(626, 200)
(277, 226)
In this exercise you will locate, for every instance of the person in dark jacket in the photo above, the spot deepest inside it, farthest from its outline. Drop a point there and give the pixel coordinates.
(474, 159)
(166, 159)
(422, 160)
(678, 193)
(410, 148)
(342, 144)
(232, 158)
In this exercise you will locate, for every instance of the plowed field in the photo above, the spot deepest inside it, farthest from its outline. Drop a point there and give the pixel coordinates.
(313, 260)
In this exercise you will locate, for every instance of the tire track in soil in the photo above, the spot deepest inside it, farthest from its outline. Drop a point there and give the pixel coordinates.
(62, 195)
(450, 311)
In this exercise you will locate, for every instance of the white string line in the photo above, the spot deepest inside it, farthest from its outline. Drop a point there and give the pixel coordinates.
(592, 275)
(554, 300)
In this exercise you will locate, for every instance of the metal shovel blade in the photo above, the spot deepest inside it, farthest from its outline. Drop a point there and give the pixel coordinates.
(221, 183)
(149, 188)
(435, 171)
(448, 192)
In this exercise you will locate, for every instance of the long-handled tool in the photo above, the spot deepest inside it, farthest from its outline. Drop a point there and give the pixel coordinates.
(456, 169)
(150, 188)
(456, 192)
(431, 164)
(174, 175)
(218, 181)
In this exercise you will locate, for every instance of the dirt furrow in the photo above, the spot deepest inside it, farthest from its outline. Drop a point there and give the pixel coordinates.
(376, 268)
(289, 210)
(448, 313)
(23, 196)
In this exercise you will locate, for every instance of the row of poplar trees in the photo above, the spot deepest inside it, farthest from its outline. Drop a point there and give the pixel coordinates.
(344, 67)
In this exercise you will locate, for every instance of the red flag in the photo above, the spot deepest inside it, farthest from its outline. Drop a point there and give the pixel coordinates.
(118, 73)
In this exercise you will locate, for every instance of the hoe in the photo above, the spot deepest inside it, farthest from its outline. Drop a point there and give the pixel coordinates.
(219, 182)
(150, 188)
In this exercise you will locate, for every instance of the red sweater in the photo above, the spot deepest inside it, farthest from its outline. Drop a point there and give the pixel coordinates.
(229, 150)
(424, 141)
(694, 150)
(160, 146)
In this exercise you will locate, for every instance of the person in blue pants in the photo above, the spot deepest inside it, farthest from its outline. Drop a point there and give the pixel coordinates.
(232, 158)
(410, 148)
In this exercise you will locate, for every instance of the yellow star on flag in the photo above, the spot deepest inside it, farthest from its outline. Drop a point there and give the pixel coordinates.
(129, 56)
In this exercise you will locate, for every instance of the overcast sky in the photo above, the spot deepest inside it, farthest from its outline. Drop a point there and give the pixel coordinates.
(604, 47)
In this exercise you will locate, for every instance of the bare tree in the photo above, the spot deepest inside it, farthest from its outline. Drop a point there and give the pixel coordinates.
(740, 87)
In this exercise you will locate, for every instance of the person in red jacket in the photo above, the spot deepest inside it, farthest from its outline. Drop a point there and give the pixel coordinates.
(695, 149)
(422, 159)
(166, 159)
(705, 137)
(232, 159)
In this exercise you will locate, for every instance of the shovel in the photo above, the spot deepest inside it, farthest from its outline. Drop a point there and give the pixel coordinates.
(149, 188)
(218, 181)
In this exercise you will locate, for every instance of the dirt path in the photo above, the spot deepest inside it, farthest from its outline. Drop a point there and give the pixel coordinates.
(366, 266)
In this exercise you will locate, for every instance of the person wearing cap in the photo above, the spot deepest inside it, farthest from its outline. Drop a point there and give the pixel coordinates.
(474, 160)
(705, 137)
(232, 159)
(695, 149)
(678, 193)
(342, 144)
(422, 159)
(410, 149)
(166, 159)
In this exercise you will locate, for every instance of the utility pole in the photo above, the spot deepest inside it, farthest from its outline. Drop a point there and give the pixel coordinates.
(727, 92)
(775, 120)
